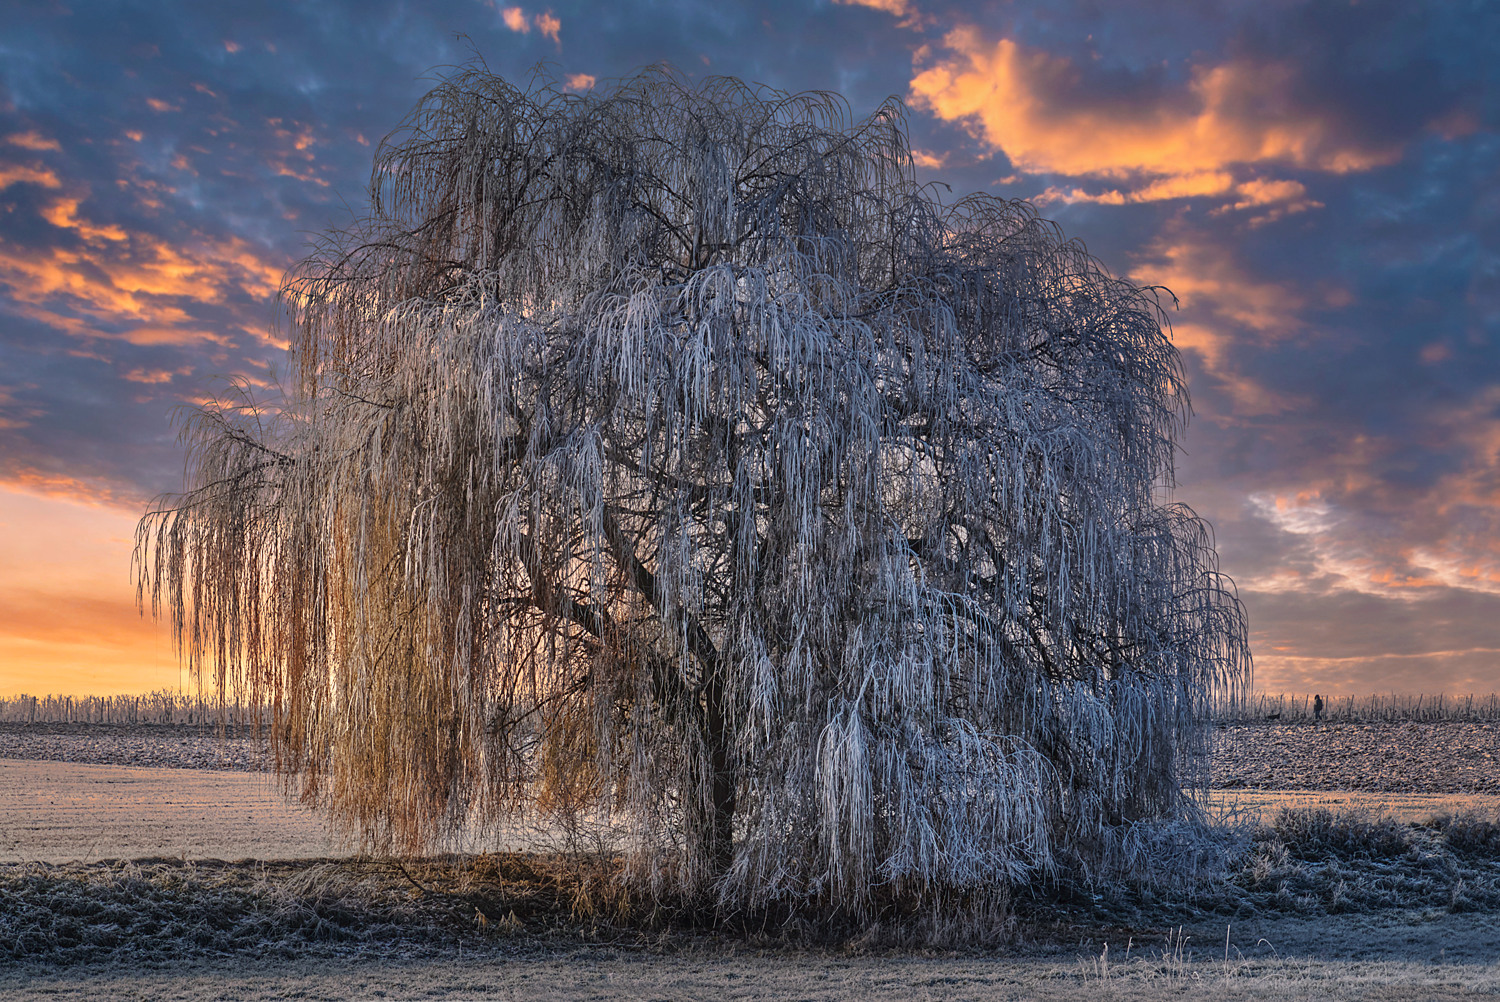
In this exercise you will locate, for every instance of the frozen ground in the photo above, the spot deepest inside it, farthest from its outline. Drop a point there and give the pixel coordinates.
(59, 811)
(1340, 957)
(56, 812)
(1443, 757)
(1252, 805)
(1440, 757)
(1417, 931)
(156, 745)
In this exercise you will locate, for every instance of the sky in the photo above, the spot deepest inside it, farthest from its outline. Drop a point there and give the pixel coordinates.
(1317, 184)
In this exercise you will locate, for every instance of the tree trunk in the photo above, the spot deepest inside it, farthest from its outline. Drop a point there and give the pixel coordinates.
(717, 735)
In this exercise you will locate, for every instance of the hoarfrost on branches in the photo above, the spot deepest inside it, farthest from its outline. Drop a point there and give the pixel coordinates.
(665, 459)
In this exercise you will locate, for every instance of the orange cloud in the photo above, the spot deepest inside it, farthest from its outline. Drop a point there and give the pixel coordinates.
(899, 8)
(1458, 547)
(33, 140)
(63, 213)
(928, 160)
(1277, 198)
(126, 284)
(1342, 559)
(550, 26)
(150, 376)
(1206, 279)
(547, 23)
(515, 19)
(1266, 192)
(295, 159)
(1219, 303)
(579, 82)
(112, 275)
(89, 492)
(23, 174)
(1164, 189)
(1040, 110)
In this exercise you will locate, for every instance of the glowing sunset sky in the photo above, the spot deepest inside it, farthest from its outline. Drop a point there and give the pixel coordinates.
(1318, 183)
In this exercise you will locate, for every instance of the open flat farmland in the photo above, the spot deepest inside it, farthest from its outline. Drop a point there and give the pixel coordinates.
(153, 745)
(96, 791)
(1416, 757)
(57, 811)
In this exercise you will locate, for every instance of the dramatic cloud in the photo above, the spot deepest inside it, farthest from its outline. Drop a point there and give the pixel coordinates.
(1180, 139)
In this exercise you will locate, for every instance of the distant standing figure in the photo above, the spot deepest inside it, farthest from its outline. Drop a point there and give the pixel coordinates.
(1317, 708)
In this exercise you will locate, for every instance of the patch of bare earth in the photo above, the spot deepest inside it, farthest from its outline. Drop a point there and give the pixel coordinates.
(1443, 757)
(162, 746)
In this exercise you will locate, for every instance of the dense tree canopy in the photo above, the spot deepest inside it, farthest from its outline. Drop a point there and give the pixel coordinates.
(665, 460)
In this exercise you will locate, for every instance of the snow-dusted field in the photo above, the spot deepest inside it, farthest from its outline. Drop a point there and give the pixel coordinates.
(153, 745)
(82, 791)
(53, 811)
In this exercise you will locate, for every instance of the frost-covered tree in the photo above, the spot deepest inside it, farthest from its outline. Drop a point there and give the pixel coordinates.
(668, 459)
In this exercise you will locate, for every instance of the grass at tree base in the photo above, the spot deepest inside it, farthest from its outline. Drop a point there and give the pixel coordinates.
(159, 911)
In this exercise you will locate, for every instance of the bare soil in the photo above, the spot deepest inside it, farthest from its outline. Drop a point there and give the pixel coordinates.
(1442, 757)
(1427, 757)
(163, 746)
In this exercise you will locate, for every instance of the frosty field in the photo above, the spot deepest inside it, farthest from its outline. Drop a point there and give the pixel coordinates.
(1318, 904)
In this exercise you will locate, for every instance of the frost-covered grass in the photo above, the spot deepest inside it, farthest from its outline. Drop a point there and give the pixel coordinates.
(153, 910)
(729, 975)
(1311, 863)
(1307, 865)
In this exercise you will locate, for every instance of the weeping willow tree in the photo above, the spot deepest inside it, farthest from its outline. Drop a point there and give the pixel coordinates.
(668, 457)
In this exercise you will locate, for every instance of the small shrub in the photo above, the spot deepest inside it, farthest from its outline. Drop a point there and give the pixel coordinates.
(1317, 834)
